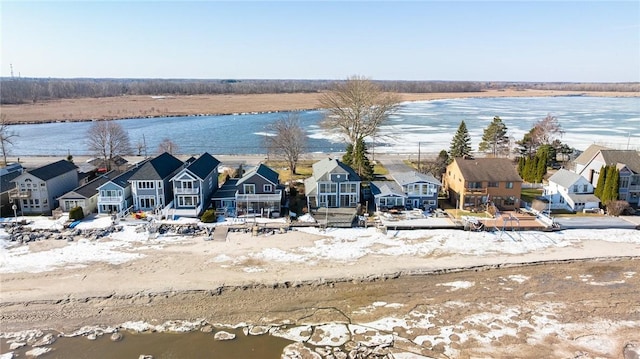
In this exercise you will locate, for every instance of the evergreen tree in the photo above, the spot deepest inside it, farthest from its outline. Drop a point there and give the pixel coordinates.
(615, 184)
(495, 139)
(526, 146)
(521, 164)
(611, 185)
(541, 167)
(461, 142)
(357, 158)
(601, 180)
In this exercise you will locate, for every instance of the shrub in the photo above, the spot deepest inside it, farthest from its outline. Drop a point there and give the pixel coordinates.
(76, 214)
(616, 208)
(209, 216)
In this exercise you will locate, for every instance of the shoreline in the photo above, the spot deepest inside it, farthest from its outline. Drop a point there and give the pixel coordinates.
(147, 107)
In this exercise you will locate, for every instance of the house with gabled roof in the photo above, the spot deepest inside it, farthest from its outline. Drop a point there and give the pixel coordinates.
(150, 186)
(583, 159)
(333, 184)
(628, 164)
(568, 190)
(472, 183)
(115, 195)
(37, 190)
(387, 195)
(7, 185)
(193, 186)
(85, 196)
(259, 192)
(421, 189)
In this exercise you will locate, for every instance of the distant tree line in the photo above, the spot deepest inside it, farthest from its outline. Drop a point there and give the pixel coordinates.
(24, 90)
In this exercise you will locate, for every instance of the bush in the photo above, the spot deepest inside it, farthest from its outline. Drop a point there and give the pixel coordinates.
(616, 208)
(209, 216)
(76, 214)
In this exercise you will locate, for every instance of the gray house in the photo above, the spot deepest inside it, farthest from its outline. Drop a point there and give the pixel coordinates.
(115, 195)
(7, 175)
(150, 186)
(224, 199)
(85, 196)
(194, 185)
(387, 194)
(37, 190)
(627, 162)
(259, 192)
(421, 189)
(333, 185)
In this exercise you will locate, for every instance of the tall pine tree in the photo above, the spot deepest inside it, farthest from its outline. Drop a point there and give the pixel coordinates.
(600, 185)
(494, 139)
(461, 142)
(356, 157)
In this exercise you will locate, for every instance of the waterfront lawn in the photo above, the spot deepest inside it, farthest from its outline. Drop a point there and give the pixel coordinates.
(529, 194)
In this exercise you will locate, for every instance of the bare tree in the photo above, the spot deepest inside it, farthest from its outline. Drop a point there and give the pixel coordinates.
(288, 141)
(546, 130)
(6, 137)
(357, 108)
(108, 139)
(167, 145)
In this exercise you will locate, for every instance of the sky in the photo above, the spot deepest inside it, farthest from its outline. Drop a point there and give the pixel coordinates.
(546, 41)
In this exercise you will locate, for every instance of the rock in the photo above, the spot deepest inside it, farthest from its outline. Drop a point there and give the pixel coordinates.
(258, 330)
(222, 335)
(92, 336)
(207, 329)
(16, 345)
(145, 356)
(48, 339)
(116, 337)
(299, 351)
(36, 352)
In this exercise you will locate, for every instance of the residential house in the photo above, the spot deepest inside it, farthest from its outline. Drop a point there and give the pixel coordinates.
(37, 190)
(194, 185)
(585, 157)
(568, 190)
(387, 195)
(150, 186)
(115, 195)
(7, 175)
(627, 162)
(86, 195)
(259, 192)
(472, 183)
(333, 184)
(421, 189)
(224, 199)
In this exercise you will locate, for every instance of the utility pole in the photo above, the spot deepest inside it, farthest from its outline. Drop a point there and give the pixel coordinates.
(11, 66)
(419, 166)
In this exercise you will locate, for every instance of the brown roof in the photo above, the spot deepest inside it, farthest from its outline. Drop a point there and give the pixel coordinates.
(488, 169)
(588, 154)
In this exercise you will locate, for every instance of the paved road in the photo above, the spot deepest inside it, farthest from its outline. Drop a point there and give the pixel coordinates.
(594, 222)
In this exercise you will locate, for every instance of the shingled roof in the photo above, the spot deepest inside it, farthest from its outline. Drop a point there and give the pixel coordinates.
(90, 189)
(53, 170)
(264, 171)
(488, 169)
(157, 168)
(588, 154)
(629, 158)
(565, 178)
(202, 166)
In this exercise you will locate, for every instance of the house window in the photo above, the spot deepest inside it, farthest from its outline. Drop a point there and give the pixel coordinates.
(509, 201)
(624, 182)
(585, 188)
(474, 185)
(575, 188)
(249, 188)
(42, 184)
(145, 184)
(493, 184)
(509, 185)
(267, 188)
(328, 188)
(347, 187)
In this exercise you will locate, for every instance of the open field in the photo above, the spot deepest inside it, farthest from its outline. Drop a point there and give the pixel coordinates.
(160, 106)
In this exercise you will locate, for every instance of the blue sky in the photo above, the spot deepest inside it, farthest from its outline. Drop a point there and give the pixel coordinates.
(585, 41)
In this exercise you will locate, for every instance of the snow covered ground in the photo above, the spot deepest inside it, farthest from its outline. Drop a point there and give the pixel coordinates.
(339, 245)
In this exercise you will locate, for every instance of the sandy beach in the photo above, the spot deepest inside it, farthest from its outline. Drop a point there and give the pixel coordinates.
(84, 109)
(583, 282)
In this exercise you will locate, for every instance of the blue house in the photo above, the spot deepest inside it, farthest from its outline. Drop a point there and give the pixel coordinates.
(421, 189)
(115, 195)
(150, 186)
(194, 185)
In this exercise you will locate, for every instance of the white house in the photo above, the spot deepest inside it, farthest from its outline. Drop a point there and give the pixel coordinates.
(568, 190)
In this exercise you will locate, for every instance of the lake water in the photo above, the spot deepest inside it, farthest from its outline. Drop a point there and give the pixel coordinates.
(613, 122)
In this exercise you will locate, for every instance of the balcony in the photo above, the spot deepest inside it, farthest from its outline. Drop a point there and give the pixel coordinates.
(111, 199)
(258, 197)
(17, 194)
(186, 190)
(476, 190)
